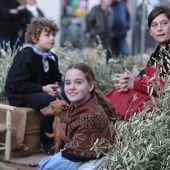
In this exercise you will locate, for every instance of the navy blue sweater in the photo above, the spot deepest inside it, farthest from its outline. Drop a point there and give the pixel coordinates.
(121, 19)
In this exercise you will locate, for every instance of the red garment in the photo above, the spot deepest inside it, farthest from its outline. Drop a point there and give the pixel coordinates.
(122, 101)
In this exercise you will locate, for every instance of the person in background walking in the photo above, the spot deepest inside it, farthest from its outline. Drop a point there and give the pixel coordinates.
(121, 19)
(99, 22)
(12, 19)
(32, 7)
(34, 11)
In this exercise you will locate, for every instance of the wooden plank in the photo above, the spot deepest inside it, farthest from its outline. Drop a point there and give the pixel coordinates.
(7, 107)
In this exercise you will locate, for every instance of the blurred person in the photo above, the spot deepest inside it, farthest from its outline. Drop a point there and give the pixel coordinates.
(34, 11)
(32, 7)
(12, 19)
(99, 23)
(121, 19)
(168, 3)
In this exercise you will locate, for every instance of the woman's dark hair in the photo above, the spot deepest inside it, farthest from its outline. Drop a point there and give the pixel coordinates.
(105, 103)
(156, 55)
(157, 11)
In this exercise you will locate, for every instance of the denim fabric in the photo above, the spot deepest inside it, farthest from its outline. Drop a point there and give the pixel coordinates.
(95, 164)
(119, 47)
(57, 162)
(14, 42)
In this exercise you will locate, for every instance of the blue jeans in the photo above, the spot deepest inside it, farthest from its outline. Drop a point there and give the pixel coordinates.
(57, 162)
(14, 42)
(119, 47)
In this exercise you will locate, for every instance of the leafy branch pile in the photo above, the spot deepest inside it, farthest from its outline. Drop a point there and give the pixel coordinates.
(104, 73)
(6, 58)
(69, 55)
(143, 142)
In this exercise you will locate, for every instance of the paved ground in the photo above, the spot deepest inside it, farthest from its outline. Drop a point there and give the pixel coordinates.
(7, 165)
(25, 163)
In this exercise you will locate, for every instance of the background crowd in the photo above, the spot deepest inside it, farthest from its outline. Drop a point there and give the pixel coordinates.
(102, 20)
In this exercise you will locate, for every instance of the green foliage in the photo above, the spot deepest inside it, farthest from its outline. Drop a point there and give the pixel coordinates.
(6, 58)
(143, 142)
(140, 144)
(69, 55)
(104, 73)
(118, 65)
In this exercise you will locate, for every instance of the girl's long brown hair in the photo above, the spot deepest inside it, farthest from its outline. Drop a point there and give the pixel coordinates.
(105, 103)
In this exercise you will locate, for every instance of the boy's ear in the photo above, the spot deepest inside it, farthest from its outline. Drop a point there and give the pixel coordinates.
(33, 39)
(92, 85)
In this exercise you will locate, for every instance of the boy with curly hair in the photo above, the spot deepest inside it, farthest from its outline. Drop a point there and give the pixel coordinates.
(34, 75)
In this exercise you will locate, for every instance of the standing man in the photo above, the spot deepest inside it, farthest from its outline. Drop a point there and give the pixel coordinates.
(99, 23)
(12, 20)
(34, 12)
(121, 19)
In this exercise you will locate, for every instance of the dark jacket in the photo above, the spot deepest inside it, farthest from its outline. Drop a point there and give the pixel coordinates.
(27, 20)
(159, 55)
(121, 19)
(98, 23)
(10, 24)
(27, 76)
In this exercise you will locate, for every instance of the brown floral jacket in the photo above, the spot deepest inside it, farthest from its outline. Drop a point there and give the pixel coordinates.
(85, 124)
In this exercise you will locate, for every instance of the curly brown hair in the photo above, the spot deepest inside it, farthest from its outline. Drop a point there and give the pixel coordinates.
(36, 26)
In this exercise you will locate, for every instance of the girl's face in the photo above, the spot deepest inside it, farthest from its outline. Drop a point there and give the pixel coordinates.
(160, 29)
(76, 86)
(46, 41)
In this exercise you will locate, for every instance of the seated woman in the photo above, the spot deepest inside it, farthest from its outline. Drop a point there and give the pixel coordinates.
(131, 94)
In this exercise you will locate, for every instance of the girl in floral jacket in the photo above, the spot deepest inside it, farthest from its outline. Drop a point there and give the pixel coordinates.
(87, 121)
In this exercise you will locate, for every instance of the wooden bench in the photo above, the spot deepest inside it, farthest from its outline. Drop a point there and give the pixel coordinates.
(6, 129)
(25, 127)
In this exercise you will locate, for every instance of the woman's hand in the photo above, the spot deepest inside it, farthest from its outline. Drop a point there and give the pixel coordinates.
(125, 81)
(130, 82)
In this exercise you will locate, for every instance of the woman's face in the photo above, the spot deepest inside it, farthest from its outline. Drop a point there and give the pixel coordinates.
(160, 29)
